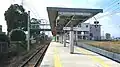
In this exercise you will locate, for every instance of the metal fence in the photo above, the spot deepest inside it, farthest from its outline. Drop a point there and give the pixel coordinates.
(4, 47)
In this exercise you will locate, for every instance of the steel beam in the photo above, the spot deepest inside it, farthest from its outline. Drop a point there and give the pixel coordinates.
(70, 20)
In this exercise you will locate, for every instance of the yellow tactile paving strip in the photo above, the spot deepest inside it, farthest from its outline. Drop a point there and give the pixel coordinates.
(93, 58)
(57, 62)
(58, 56)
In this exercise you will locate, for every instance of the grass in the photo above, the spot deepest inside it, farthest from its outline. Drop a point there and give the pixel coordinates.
(112, 46)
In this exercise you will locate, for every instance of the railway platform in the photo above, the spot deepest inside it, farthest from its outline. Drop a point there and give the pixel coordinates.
(58, 56)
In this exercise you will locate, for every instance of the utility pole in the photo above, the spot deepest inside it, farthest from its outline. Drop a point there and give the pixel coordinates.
(28, 44)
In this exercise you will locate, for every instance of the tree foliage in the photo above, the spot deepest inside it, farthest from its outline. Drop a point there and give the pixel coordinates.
(16, 17)
(34, 32)
(17, 35)
(35, 21)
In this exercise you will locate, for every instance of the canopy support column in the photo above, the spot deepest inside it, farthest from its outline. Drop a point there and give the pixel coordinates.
(71, 40)
(76, 37)
(65, 39)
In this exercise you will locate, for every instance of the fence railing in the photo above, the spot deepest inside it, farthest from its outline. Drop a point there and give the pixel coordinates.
(4, 47)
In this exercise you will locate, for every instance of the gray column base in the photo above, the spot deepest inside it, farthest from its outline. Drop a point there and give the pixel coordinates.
(64, 40)
(71, 52)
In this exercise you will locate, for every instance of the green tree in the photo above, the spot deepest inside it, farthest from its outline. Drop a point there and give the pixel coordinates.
(16, 17)
(17, 35)
(34, 32)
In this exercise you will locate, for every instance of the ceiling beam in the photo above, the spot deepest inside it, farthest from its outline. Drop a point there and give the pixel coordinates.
(70, 20)
(45, 24)
(57, 19)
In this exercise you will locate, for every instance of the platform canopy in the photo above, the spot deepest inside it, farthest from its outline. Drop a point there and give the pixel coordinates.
(65, 17)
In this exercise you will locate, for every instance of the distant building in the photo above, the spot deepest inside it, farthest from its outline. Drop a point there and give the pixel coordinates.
(108, 36)
(83, 31)
(95, 32)
(87, 31)
(35, 26)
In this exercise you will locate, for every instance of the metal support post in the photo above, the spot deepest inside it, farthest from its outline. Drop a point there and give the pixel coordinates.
(62, 38)
(59, 38)
(28, 44)
(56, 38)
(71, 40)
(65, 39)
(76, 36)
(82, 37)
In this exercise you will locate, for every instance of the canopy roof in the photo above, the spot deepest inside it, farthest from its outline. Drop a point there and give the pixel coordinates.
(65, 17)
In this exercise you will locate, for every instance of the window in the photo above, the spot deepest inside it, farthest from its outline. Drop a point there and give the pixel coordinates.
(86, 26)
(84, 37)
(79, 32)
(33, 26)
(74, 32)
(96, 26)
(37, 26)
(86, 32)
(79, 25)
(91, 34)
(79, 37)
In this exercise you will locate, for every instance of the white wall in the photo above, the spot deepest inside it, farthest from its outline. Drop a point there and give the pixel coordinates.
(83, 27)
(96, 31)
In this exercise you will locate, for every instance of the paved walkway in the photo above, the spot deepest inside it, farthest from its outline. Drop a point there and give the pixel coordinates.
(59, 56)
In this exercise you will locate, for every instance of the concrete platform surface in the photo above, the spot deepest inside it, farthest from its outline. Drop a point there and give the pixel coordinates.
(59, 56)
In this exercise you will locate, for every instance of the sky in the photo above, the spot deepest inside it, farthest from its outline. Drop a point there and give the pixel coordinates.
(109, 19)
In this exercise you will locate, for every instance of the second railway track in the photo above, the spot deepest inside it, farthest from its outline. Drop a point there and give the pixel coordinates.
(34, 60)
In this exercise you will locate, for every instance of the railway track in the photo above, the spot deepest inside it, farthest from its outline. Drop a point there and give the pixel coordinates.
(36, 58)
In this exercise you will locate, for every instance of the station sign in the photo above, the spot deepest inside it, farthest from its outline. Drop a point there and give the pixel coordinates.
(75, 13)
(76, 28)
(66, 28)
(69, 28)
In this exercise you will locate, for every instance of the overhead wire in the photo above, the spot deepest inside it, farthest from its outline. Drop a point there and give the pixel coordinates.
(32, 11)
(23, 3)
(109, 14)
(35, 11)
(112, 12)
(111, 5)
(37, 15)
